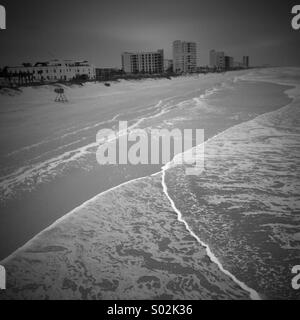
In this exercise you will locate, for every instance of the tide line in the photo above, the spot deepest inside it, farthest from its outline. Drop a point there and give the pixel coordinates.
(253, 294)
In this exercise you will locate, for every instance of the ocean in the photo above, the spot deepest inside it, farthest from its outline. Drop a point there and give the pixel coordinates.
(151, 231)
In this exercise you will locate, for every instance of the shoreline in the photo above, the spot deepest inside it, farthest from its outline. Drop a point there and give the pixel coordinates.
(161, 171)
(64, 166)
(137, 78)
(253, 294)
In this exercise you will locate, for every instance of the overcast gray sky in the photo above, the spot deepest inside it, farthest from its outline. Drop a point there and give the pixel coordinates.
(100, 30)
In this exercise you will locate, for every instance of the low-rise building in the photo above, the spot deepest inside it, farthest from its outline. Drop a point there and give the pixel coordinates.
(105, 74)
(52, 71)
(203, 69)
(238, 65)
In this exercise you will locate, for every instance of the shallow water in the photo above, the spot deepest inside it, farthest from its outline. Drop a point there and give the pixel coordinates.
(244, 207)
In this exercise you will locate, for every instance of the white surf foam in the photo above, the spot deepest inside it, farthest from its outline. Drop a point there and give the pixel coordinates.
(253, 294)
(69, 214)
(292, 93)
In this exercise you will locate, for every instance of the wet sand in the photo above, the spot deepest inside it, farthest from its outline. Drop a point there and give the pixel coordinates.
(42, 183)
(128, 243)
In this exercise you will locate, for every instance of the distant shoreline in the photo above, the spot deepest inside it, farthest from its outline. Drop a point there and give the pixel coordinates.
(128, 77)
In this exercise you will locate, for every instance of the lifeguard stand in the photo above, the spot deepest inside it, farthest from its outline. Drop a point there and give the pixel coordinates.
(61, 97)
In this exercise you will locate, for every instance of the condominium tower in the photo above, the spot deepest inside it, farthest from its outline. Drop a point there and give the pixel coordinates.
(217, 59)
(143, 62)
(246, 61)
(184, 56)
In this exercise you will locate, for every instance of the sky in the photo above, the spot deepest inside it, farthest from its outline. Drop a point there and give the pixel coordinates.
(99, 31)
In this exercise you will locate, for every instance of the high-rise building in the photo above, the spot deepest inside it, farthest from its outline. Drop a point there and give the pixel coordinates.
(246, 61)
(212, 58)
(184, 57)
(168, 65)
(217, 59)
(143, 62)
(229, 63)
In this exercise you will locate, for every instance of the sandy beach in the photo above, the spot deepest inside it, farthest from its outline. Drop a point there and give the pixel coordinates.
(119, 236)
